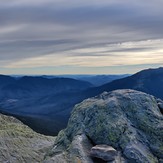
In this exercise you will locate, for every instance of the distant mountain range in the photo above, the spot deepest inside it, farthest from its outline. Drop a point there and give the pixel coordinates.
(45, 103)
(40, 101)
(149, 81)
(95, 80)
(29, 86)
(98, 80)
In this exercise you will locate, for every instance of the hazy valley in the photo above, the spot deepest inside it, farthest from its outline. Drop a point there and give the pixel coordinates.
(123, 126)
(45, 104)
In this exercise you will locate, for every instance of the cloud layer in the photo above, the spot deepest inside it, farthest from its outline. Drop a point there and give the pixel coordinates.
(90, 36)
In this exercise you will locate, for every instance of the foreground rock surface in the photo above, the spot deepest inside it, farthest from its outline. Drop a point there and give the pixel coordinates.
(129, 121)
(20, 144)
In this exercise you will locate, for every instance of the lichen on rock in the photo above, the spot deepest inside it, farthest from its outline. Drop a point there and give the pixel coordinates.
(129, 121)
(20, 144)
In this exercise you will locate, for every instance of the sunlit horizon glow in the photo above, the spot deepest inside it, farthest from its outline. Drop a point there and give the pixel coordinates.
(80, 37)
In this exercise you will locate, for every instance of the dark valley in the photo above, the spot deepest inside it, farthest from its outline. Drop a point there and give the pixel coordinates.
(45, 104)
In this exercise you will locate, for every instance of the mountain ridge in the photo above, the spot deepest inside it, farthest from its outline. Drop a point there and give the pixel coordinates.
(144, 80)
(30, 85)
(53, 109)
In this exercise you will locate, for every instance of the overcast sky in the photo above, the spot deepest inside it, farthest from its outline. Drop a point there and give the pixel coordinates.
(80, 36)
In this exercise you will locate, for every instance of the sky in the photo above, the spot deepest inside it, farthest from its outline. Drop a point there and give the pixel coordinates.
(80, 36)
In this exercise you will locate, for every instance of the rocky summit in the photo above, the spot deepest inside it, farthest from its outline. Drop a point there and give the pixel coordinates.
(20, 144)
(120, 126)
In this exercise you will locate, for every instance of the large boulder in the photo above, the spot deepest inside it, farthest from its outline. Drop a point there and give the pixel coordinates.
(129, 121)
(20, 144)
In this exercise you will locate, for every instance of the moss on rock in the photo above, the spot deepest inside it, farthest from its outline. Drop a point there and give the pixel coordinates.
(127, 120)
(20, 144)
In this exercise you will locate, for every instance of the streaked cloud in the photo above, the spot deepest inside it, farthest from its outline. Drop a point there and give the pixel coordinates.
(108, 55)
(60, 33)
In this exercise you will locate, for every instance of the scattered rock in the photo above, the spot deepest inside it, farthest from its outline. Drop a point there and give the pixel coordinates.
(104, 152)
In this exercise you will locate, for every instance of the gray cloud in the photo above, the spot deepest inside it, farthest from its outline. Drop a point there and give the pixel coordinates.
(38, 28)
